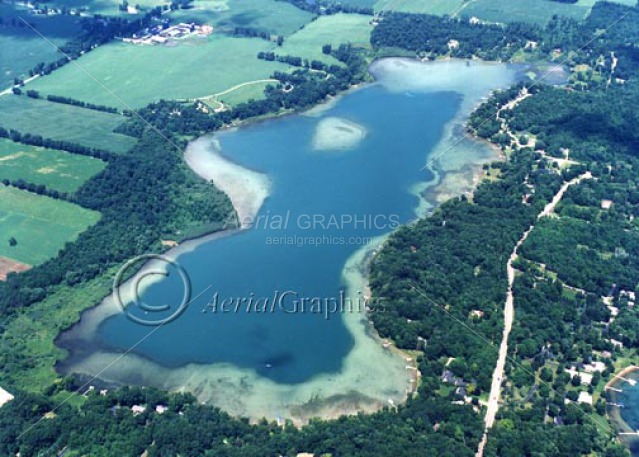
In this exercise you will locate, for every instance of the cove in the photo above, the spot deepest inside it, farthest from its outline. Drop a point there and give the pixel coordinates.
(623, 408)
(316, 194)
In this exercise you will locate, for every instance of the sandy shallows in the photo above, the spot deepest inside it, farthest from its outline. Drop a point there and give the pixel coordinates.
(337, 134)
(247, 189)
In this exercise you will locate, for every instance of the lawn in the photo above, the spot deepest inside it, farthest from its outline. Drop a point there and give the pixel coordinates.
(41, 225)
(58, 170)
(245, 93)
(277, 17)
(138, 75)
(334, 30)
(22, 48)
(63, 122)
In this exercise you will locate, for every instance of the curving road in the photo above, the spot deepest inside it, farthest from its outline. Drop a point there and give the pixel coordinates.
(509, 313)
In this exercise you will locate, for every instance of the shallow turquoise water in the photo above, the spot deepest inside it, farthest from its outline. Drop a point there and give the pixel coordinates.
(369, 184)
(334, 197)
(629, 398)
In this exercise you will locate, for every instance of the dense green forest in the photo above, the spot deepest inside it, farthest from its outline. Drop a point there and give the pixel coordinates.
(445, 278)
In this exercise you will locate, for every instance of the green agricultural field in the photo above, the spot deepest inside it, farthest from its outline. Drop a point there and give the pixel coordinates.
(41, 225)
(534, 11)
(22, 48)
(138, 75)
(438, 7)
(537, 11)
(58, 170)
(362, 3)
(108, 7)
(334, 30)
(277, 17)
(63, 122)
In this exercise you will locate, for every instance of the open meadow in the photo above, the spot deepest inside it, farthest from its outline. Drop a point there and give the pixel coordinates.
(63, 122)
(244, 93)
(276, 17)
(57, 170)
(138, 75)
(532, 11)
(22, 48)
(538, 12)
(40, 225)
(438, 7)
(335, 30)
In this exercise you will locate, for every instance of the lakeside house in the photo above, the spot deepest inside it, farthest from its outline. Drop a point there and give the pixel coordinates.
(5, 397)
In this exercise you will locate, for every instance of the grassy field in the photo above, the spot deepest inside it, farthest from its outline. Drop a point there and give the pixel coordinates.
(438, 7)
(41, 225)
(334, 30)
(272, 16)
(277, 17)
(245, 93)
(139, 75)
(63, 122)
(22, 48)
(108, 7)
(539, 11)
(58, 170)
(533, 11)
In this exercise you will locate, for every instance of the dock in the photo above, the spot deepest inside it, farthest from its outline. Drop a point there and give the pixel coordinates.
(614, 389)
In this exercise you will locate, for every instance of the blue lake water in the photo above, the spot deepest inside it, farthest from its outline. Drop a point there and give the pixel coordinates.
(626, 419)
(325, 195)
(329, 202)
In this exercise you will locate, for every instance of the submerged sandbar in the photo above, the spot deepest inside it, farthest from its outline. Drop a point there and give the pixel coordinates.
(372, 374)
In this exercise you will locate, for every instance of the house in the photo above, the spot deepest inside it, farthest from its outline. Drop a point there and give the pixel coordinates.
(138, 409)
(616, 343)
(628, 293)
(448, 377)
(585, 378)
(594, 367)
(161, 409)
(585, 397)
(606, 204)
(461, 391)
(5, 397)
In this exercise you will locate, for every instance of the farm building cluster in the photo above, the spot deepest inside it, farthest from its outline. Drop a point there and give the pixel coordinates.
(160, 34)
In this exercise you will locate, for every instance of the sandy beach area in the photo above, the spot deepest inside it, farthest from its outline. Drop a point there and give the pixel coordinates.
(246, 189)
(375, 374)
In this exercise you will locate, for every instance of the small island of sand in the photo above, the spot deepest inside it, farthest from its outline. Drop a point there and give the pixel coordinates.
(337, 134)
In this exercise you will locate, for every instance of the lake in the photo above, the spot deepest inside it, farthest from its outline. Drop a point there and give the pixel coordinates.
(277, 324)
(625, 419)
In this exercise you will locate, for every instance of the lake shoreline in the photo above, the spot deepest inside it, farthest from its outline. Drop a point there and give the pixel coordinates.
(248, 191)
(613, 411)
